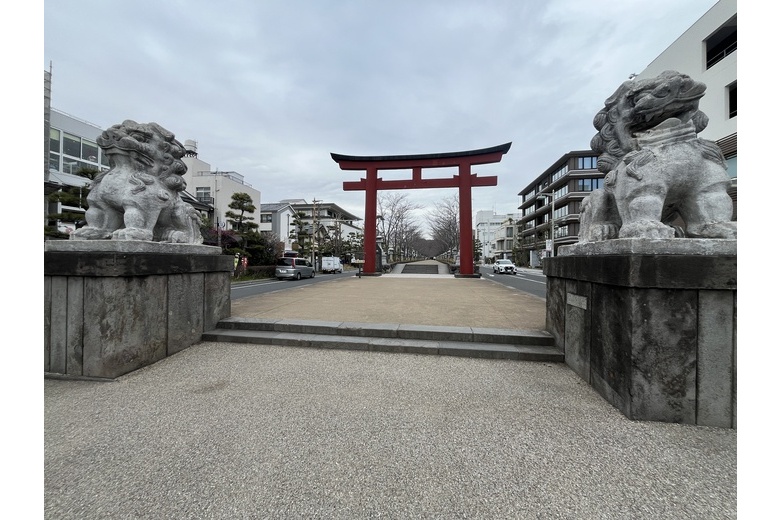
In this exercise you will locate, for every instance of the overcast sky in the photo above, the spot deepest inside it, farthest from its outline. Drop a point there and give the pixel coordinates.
(270, 88)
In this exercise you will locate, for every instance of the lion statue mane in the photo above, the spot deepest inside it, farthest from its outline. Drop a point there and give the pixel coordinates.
(662, 181)
(138, 197)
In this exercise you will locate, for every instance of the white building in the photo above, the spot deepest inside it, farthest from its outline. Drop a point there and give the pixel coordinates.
(216, 187)
(71, 146)
(278, 218)
(326, 219)
(487, 223)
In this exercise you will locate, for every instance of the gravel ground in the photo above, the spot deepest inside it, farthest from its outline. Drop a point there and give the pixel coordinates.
(414, 300)
(226, 430)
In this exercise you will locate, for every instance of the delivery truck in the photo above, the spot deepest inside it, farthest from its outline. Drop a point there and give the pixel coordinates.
(331, 264)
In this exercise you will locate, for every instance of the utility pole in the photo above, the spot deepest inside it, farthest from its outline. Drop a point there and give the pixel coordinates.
(315, 222)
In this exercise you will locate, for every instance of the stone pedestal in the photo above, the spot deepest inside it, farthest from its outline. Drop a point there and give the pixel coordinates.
(111, 307)
(651, 325)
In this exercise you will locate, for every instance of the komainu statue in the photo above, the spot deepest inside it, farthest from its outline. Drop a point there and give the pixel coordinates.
(138, 198)
(662, 181)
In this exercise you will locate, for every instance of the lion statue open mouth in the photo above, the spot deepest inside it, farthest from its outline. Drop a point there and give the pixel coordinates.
(662, 181)
(138, 197)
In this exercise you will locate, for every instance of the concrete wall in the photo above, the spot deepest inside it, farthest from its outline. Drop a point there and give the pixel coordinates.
(655, 335)
(109, 313)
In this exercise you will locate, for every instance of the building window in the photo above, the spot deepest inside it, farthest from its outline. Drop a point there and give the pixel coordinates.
(722, 43)
(265, 218)
(204, 194)
(561, 172)
(587, 163)
(54, 161)
(732, 97)
(54, 140)
(588, 184)
(89, 151)
(732, 167)
(71, 145)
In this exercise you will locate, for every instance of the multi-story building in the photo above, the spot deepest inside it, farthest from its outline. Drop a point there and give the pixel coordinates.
(70, 148)
(707, 53)
(504, 239)
(486, 224)
(319, 220)
(569, 180)
(216, 187)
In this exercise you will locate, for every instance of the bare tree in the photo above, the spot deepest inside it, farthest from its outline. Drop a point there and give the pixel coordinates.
(397, 224)
(443, 221)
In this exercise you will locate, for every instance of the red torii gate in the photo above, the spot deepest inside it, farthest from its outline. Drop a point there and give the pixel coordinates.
(464, 181)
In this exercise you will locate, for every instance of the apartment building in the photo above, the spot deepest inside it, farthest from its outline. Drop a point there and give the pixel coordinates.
(555, 197)
(707, 52)
(321, 220)
(486, 225)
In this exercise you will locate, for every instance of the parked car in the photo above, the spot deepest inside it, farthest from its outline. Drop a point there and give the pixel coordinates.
(504, 266)
(331, 264)
(294, 268)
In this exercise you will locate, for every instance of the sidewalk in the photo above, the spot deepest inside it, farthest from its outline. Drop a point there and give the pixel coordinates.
(227, 430)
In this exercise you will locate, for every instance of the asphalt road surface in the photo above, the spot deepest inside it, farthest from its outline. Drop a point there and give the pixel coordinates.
(253, 288)
(531, 281)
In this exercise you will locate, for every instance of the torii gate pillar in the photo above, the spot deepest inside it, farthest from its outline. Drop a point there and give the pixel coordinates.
(464, 181)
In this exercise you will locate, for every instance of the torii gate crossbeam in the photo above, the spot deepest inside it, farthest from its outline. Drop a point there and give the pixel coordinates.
(464, 181)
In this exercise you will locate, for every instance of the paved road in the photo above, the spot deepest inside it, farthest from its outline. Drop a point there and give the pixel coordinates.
(254, 288)
(531, 281)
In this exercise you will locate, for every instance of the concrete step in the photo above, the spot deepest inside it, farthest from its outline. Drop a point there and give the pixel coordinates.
(386, 337)
(420, 269)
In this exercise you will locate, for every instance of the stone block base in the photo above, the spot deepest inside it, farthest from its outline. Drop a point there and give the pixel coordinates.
(654, 334)
(108, 312)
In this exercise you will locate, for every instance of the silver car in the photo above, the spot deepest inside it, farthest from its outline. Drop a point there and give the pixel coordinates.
(294, 269)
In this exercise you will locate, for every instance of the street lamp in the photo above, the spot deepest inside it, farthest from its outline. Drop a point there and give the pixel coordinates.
(545, 197)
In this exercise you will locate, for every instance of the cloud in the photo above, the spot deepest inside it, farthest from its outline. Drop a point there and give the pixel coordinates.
(270, 89)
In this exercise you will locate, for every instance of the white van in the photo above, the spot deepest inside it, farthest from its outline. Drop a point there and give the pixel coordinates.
(331, 264)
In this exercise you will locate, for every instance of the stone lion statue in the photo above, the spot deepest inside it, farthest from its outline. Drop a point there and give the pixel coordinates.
(138, 198)
(662, 181)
